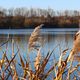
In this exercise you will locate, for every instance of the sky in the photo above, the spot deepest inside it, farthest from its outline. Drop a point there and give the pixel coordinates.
(54, 4)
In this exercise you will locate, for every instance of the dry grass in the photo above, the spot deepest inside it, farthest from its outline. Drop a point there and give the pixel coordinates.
(59, 68)
(76, 46)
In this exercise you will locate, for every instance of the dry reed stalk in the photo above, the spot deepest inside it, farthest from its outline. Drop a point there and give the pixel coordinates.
(61, 69)
(34, 38)
(72, 70)
(63, 53)
(37, 60)
(61, 65)
(75, 78)
(76, 46)
(34, 41)
(15, 75)
(14, 61)
(12, 47)
(11, 61)
(55, 69)
(68, 77)
(60, 58)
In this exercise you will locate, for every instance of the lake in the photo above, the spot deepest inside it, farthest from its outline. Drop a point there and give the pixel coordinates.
(50, 39)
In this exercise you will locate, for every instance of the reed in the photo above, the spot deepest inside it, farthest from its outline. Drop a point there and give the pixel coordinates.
(57, 71)
(76, 46)
(34, 39)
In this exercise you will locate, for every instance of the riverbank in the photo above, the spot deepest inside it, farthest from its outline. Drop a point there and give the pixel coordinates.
(20, 22)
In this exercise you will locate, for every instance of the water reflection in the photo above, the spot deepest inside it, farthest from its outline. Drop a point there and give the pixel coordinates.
(49, 39)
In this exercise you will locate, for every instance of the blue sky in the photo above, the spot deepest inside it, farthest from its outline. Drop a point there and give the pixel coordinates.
(54, 4)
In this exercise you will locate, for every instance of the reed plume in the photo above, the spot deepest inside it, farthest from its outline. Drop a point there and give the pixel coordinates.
(34, 40)
(76, 46)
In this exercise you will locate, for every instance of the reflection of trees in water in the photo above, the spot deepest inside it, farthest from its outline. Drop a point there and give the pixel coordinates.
(68, 39)
(49, 40)
(65, 40)
(16, 38)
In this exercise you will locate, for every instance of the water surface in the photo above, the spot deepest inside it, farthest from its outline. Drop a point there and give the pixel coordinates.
(50, 38)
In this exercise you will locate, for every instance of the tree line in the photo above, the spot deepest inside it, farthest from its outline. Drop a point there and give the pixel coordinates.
(29, 18)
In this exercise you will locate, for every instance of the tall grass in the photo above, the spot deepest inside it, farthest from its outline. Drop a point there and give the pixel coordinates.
(61, 69)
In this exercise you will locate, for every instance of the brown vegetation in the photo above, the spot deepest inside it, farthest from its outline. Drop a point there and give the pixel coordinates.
(28, 18)
(59, 70)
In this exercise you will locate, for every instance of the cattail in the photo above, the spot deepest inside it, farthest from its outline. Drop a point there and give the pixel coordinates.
(76, 46)
(35, 38)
